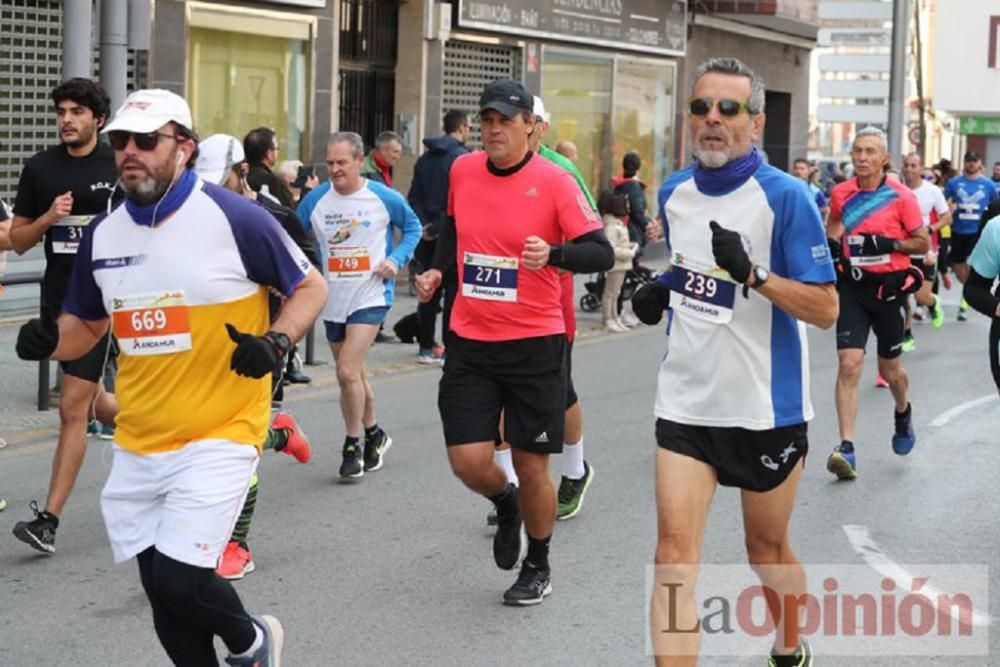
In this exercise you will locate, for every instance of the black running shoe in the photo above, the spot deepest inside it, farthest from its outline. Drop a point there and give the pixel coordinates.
(374, 449)
(352, 467)
(40, 532)
(508, 540)
(531, 587)
(802, 658)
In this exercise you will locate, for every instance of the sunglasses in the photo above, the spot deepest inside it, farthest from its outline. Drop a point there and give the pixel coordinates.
(144, 141)
(701, 106)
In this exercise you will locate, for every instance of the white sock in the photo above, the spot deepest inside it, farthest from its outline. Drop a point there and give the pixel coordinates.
(572, 459)
(503, 458)
(257, 643)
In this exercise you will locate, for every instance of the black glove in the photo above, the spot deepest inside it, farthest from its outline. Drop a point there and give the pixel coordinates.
(256, 356)
(836, 249)
(38, 338)
(727, 246)
(877, 245)
(649, 302)
(900, 283)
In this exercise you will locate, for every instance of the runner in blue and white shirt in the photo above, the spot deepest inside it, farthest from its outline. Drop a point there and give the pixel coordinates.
(984, 269)
(751, 264)
(353, 219)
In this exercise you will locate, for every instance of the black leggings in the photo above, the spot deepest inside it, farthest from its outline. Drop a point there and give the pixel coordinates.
(190, 606)
(995, 351)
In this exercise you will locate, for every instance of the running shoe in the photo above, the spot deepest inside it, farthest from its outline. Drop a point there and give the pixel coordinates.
(297, 444)
(352, 467)
(40, 532)
(909, 343)
(881, 382)
(491, 516)
(509, 538)
(842, 462)
(236, 562)
(802, 658)
(629, 320)
(3, 504)
(919, 314)
(93, 427)
(375, 449)
(571, 493)
(269, 653)
(963, 309)
(937, 313)
(106, 432)
(429, 356)
(296, 376)
(904, 438)
(533, 585)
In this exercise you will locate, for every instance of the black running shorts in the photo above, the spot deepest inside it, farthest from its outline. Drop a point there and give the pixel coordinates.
(750, 460)
(929, 270)
(571, 397)
(961, 247)
(90, 366)
(524, 379)
(861, 311)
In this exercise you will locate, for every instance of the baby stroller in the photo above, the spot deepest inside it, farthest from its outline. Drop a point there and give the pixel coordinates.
(635, 278)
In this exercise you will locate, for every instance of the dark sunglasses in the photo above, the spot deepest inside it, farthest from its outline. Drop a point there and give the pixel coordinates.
(144, 141)
(701, 106)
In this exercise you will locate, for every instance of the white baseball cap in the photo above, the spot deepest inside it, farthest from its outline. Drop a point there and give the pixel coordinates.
(216, 156)
(539, 110)
(149, 110)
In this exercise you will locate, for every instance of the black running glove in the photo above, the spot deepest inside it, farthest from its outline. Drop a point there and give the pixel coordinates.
(649, 302)
(874, 244)
(256, 356)
(727, 246)
(38, 338)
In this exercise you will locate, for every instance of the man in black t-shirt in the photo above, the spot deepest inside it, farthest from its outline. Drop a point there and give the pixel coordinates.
(60, 191)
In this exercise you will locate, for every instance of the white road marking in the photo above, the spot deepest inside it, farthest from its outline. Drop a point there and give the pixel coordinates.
(948, 415)
(863, 544)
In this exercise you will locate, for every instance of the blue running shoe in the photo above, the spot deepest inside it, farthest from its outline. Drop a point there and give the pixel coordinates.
(842, 463)
(904, 438)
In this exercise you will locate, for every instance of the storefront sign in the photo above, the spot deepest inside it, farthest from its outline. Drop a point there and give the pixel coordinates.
(650, 26)
(979, 125)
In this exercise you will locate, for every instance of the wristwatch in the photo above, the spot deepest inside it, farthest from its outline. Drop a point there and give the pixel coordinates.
(760, 276)
(280, 341)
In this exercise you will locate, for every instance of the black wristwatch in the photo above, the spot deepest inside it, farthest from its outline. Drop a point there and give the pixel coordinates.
(280, 341)
(760, 276)
(555, 256)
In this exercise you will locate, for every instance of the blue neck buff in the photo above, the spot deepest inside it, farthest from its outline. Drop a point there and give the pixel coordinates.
(176, 196)
(729, 176)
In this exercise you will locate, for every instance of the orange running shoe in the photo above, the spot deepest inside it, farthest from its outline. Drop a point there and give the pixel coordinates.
(298, 442)
(880, 381)
(236, 562)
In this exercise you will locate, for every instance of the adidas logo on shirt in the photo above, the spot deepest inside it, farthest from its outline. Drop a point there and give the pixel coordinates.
(532, 192)
(544, 437)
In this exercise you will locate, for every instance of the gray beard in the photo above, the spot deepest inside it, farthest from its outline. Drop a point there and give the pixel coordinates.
(147, 191)
(712, 159)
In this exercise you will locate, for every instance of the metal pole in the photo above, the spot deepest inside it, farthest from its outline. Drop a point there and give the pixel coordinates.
(140, 18)
(897, 80)
(919, 60)
(114, 51)
(78, 18)
(311, 347)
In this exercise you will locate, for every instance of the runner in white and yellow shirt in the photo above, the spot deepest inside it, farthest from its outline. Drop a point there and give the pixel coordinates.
(353, 219)
(181, 273)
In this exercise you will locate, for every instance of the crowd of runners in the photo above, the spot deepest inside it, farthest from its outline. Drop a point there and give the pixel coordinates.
(181, 272)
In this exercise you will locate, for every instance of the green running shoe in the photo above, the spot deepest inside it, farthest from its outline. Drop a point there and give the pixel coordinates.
(909, 344)
(571, 493)
(937, 313)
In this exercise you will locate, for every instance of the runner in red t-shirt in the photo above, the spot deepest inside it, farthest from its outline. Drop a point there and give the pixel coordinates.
(874, 227)
(509, 213)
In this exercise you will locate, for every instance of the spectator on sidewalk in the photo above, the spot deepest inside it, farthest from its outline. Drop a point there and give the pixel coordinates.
(381, 159)
(568, 150)
(299, 179)
(429, 199)
(261, 148)
(633, 188)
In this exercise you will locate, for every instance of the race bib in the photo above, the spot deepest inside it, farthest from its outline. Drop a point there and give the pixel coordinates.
(348, 263)
(489, 277)
(855, 244)
(67, 232)
(702, 295)
(154, 323)
(968, 211)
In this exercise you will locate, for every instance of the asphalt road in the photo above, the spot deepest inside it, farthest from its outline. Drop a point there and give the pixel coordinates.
(397, 569)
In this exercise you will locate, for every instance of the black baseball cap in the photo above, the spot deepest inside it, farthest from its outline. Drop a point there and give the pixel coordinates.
(972, 156)
(506, 96)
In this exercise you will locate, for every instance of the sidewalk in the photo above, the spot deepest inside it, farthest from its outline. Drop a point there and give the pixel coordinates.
(21, 421)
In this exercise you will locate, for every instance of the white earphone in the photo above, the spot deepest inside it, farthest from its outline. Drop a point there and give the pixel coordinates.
(180, 158)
